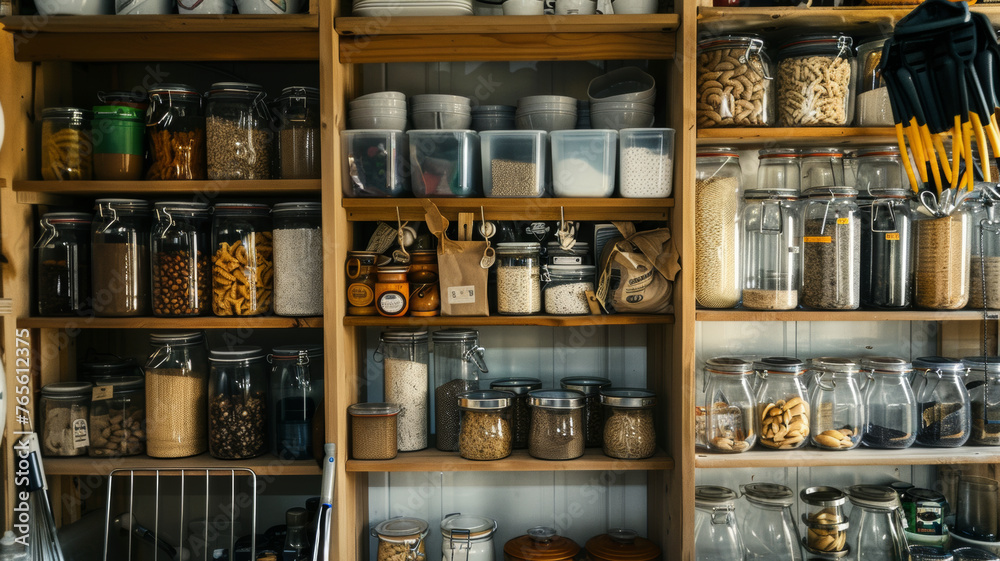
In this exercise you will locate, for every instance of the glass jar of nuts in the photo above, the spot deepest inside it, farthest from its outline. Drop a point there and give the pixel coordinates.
(815, 80)
(628, 423)
(237, 404)
(825, 520)
(180, 259)
(782, 403)
(118, 417)
(836, 404)
(730, 405)
(593, 415)
(401, 539)
(64, 414)
(62, 259)
(485, 431)
(237, 132)
(734, 82)
(243, 259)
(831, 249)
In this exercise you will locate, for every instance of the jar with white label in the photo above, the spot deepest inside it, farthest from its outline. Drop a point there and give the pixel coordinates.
(579, 254)
(467, 538)
(63, 416)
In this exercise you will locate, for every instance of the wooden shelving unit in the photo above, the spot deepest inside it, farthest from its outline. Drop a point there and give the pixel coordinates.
(264, 322)
(519, 460)
(549, 321)
(847, 315)
(264, 465)
(797, 136)
(364, 210)
(210, 189)
(812, 457)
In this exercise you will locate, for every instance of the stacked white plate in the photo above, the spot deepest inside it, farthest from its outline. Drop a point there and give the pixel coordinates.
(441, 111)
(382, 110)
(546, 113)
(389, 8)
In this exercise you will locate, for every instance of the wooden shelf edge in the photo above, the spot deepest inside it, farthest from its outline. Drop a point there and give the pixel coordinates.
(858, 457)
(547, 321)
(363, 210)
(84, 322)
(784, 136)
(172, 23)
(853, 315)
(477, 25)
(209, 188)
(520, 460)
(264, 465)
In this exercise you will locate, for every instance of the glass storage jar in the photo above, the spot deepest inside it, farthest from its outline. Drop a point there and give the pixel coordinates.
(243, 259)
(872, 104)
(180, 259)
(373, 430)
(520, 411)
(718, 194)
(401, 539)
(298, 259)
(519, 290)
(815, 81)
(880, 170)
(890, 406)
(566, 288)
(459, 359)
(942, 401)
(621, 544)
(593, 415)
(119, 135)
(176, 129)
(296, 390)
(973, 554)
(782, 403)
(825, 521)
(876, 530)
(237, 131)
(237, 403)
(466, 537)
(485, 431)
(540, 543)
(361, 275)
(943, 248)
(985, 261)
(176, 395)
(831, 238)
(117, 417)
(102, 365)
(62, 261)
(629, 433)
(63, 414)
(404, 362)
(822, 167)
(742, 98)
(886, 249)
(119, 264)
(772, 228)
(730, 405)
(983, 384)
(392, 291)
(557, 429)
(838, 408)
(297, 154)
(579, 254)
(767, 525)
(122, 98)
(779, 168)
(425, 293)
(67, 145)
(716, 533)
(931, 553)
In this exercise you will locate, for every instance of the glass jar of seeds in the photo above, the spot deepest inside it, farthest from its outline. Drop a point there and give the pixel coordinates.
(838, 408)
(890, 406)
(717, 210)
(593, 414)
(458, 362)
(566, 288)
(628, 423)
(296, 390)
(237, 132)
(831, 249)
(403, 354)
(119, 249)
(297, 155)
(943, 402)
(519, 290)
(401, 539)
(486, 432)
(63, 415)
(237, 403)
(62, 261)
(772, 224)
(730, 405)
(520, 411)
(373, 430)
(984, 394)
(943, 248)
(176, 129)
(180, 259)
(557, 429)
(298, 259)
(177, 395)
(782, 403)
(117, 421)
(243, 259)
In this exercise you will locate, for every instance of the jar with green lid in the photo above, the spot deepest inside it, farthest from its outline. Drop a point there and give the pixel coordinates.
(459, 359)
(180, 259)
(566, 288)
(782, 403)
(836, 403)
(119, 135)
(557, 429)
(520, 411)
(772, 259)
(67, 145)
(62, 261)
(485, 431)
(177, 395)
(118, 417)
(831, 239)
(373, 430)
(593, 415)
(815, 80)
(401, 539)
(734, 82)
(404, 357)
(983, 383)
(237, 132)
(943, 406)
(64, 410)
(467, 537)
(518, 286)
(730, 405)
(237, 403)
(872, 105)
(295, 391)
(628, 432)
(120, 258)
(175, 126)
(779, 168)
(298, 259)
(717, 211)
(621, 544)
(297, 148)
(243, 259)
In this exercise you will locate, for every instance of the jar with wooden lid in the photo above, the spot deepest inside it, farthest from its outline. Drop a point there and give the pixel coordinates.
(177, 395)
(401, 539)
(360, 269)
(540, 543)
(63, 414)
(373, 430)
(621, 544)
(118, 417)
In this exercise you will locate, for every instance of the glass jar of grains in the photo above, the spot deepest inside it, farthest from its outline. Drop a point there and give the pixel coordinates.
(298, 259)
(519, 289)
(176, 128)
(485, 431)
(237, 131)
(117, 417)
(176, 395)
(832, 249)
(734, 82)
(566, 288)
(718, 198)
(298, 155)
(401, 539)
(180, 259)
(62, 261)
(237, 404)
(628, 423)
(403, 355)
(67, 147)
(815, 81)
(120, 257)
(557, 429)
(593, 415)
(772, 227)
(243, 259)
(373, 430)
(458, 362)
(64, 412)
(943, 248)
(520, 411)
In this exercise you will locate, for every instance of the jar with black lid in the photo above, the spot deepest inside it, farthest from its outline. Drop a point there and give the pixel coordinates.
(67, 145)
(815, 79)
(120, 258)
(579, 254)
(297, 153)
(237, 403)
(593, 415)
(177, 395)
(118, 417)
(296, 390)
(62, 258)
(180, 259)
(237, 129)
(176, 129)
(298, 259)
(520, 411)
(242, 263)
(63, 415)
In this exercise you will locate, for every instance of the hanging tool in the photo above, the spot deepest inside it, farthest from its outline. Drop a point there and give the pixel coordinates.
(321, 545)
(43, 542)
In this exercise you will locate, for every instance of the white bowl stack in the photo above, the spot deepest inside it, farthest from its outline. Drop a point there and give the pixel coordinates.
(546, 113)
(622, 98)
(441, 111)
(382, 110)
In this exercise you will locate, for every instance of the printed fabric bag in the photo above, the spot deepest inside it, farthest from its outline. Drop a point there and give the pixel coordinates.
(637, 271)
(460, 272)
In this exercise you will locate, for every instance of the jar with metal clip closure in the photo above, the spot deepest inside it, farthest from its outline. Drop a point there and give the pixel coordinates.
(296, 389)
(176, 395)
(716, 533)
(401, 539)
(836, 403)
(886, 250)
(176, 129)
(984, 270)
(180, 259)
(822, 167)
(782, 403)
(942, 401)
(984, 393)
(467, 537)
(243, 262)
(768, 526)
(459, 359)
(730, 405)
(734, 82)
(117, 421)
(62, 259)
(877, 523)
(120, 251)
(779, 168)
(815, 79)
(772, 226)
(831, 254)
(890, 406)
(237, 130)
(718, 200)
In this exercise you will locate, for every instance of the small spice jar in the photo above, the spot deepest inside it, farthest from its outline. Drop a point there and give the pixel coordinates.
(177, 395)
(943, 402)
(730, 405)
(62, 261)
(520, 411)
(467, 537)
(984, 394)
(237, 132)
(119, 135)
(540, 543)
(519, 289)
(459, 359)
(119, 264)
(403, 355)
(296, 390)
(237, 403)
(566, 288)
(815, 81)
(838, 408)
(779, 168)
(67, 145)
(824, 517)
(782, 403)
(401, 539)
(176, 128)
(832, 249)
(890, 406)
(373, 430)
(360, 269)
(872, 105)
(593, 415)
(718, 197)
(117, 417)
(63, 416)
(557, 429)
(243, 259)
(485, 429)
(621, 544)
(943, 248)
(392, 291)
(425, 294)
(298, 259)
(180, 259)
(628, 433)
(772, 226)
(297, 147)
(744, 100)
(822, 167)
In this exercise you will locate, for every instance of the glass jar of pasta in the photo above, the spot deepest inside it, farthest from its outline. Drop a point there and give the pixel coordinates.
(242, 263)
(67, 146)
(175, 126)
(815, 81)
(734, 82)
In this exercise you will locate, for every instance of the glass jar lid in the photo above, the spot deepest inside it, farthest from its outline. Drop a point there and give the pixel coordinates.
(121, 383)
(373, 409)
(181, 207)
(916, 493)
(183, 338)
(289, 352)
(569, 270)
(134, 205)
(727, 40)
(518, 247)
(240, 209)
(557, 399)
(886, 364)
(781, 365)
(943, 364)
(172, 89)
(768, 494)
(235, 87)
(310, 207)
(67, 217)
(238, 353)
(541, 543)
(876, 151)
(621, 544)
(771, 193)
(516, 386)
(401, 526)
(460, 526)
(778, 154)
(833, 364)
(989, 364)
(587, 385)
(71, 113)
(873, 497)
(929, 553)
(728, 365)
(455, 335)
(828, 192)
(67, 389)
(822, 153)
(628, 397)
(404, 336)
(578, 247)
(707, 496)
(717, 152)
(823, 496)
(485, 399)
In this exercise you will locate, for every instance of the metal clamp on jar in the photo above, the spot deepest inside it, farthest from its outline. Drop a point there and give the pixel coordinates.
(716, 534)
(467, 538)
(401, 539)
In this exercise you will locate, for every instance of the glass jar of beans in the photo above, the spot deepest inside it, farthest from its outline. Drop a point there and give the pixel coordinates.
(485, 429)
(717, 210)
(401, 539)
(520, 412)
(180, 259)
(593, 415)
(237, 403)
(373, 430)
(836, 404)
(518, 288)
(557, 429)
(628, 423)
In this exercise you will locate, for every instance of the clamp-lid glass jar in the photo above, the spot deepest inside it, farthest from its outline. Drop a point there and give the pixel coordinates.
(119, 135)
(243, 262)
(297, 111)
(63, 415)
(768, 526)
(540, 543)
(782, 390)
(876, 523)
(831, 278)
(772, 226)
(716, 533)
(890, 406)
(459, 359)
(942, 401)
(730, 405)
(176, 395)
(237, 130)
(629, 431)
(466, 537)
(983, 384)
(734, 82)
(237, 405)
(872, 104)
(985, 262)
(62, 258)
(838, 408)
(519, 289)
(944, 251)
(117, 417)
(825, 519)
(404, 362)
(298, 259)
(296, 390)
(120, 257)
(779, 168)
(67, 145)
(886, 250)
(373, 430)
(557, 429)
(180, 258)
(579, 254)
(485, 431)
(401, 539)
(176, 128)
(718, 196)
(593, 415)
(815, 81)
(566, 288)
(822, 167)
(520, 411)
(621, 544)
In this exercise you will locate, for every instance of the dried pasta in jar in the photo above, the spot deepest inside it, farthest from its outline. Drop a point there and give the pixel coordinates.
(815, 77)
(734, 83)
(67, 147)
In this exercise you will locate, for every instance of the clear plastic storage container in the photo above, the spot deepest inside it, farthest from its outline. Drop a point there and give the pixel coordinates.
(444, 163)
(120, 257)
(645, 163)
(583, 162)
(376, 163)
(735, 86)
(815, 80)
(298, 259)
(514, 163)
(62, 262)
(717, 211)
(181, 265)
(238, 132)
(374, 430)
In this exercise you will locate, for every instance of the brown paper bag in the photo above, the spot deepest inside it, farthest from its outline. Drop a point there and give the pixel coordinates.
(638, 271)
(463, 279)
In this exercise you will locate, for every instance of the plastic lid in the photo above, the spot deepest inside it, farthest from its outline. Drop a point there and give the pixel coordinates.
(296, 516)
(833, 364)
(942, 363)
(990, 364)
(717, 152)
(768, 494)
(873, 496)
(300, 206)
(886, 364)
(714, 495)
(729, 365)
(781, 364)
(68, 217)
(121, 383)
(621, 544)
(401, 527)
(541, 544)
(173, 88)
(628, 397)
(516, 386)
(485, 399)
(827, 192)
(295, 351)
(823, 496)
(769, 153)
(183, 338)
(73, 113)
(587, 385)
(455, 335)
(404, 336)
(119, 113)
(373, 409)
(238, 353)
(557, 399)
(973, 554)
(67, 388)
(229, 209)
(467, 526)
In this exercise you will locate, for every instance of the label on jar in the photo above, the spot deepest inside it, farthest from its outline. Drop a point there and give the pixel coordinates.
(101, 393)
(360, 294)
(391, 303)
(568, 260)
(844, 220)
(81, 436)
(892, 236)
(817, 239)
(462, 294)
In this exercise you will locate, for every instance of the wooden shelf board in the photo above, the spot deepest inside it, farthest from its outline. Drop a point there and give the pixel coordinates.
(852, 315)
(175, 23)
(809, 457)
(854, 20)
(436, 460)
(209, 189)
(550, 321)
(799, 136)
(267, 322)
(264, 465)
(500, 25)
(361, 210)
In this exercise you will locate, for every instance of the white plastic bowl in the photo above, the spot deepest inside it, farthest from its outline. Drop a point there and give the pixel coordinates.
(437, 120)
(532, 101)
(267, 7)
(634, 6)
(618, 120)
(441, 98)
(624, 84)
(398, 96)
(523, 8)
(377, 122)
(145, 7)
(546, 120)
(210, 7)
(75, 7)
